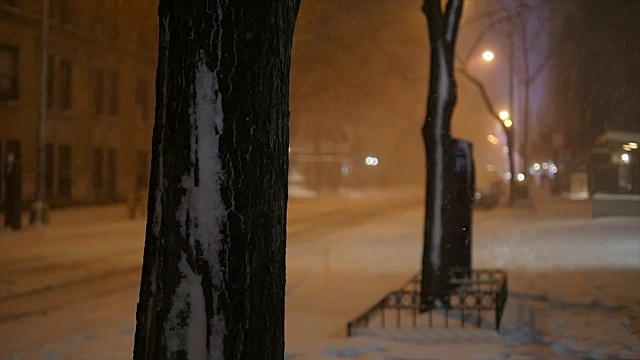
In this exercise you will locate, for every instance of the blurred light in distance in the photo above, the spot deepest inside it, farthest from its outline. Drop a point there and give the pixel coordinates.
(492, 139)
(554, 169)
(536, 166)
(624, 158)
(508, 123)
(545, 166)
(507, 176)
(505, 149)
(491, 168)
(633, 145)
(487, 56)
(504, 115)
(626, 147)
(371, 161)
(344, 170)
(521, 177)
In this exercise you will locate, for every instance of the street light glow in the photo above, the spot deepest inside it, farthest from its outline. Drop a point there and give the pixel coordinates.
(508, 123)
(492, 139)
(371, 161)
(624, 158)
(487, 56)
(633, 145)
(504, 115)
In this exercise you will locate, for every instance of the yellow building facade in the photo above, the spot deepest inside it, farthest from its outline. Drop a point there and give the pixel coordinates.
(101, 83)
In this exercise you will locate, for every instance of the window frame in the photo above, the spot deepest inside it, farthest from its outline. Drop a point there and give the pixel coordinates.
(66, 85)
(13, 94)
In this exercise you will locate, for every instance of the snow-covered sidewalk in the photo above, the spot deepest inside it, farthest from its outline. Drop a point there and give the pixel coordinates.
(574, 281)
(574, 285)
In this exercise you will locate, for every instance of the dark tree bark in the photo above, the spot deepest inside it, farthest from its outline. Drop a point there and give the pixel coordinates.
(436, 132)
(213, 277)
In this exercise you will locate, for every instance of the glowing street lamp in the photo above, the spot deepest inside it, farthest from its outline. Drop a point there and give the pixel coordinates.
(508, 123)
(487, 56)
(504, 115)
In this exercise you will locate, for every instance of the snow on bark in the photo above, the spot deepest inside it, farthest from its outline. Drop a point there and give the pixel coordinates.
(202, 215)
(439, 121)
(187, 329)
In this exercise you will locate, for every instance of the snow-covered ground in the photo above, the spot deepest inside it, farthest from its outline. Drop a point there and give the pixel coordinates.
(574, 288)
(69, 291)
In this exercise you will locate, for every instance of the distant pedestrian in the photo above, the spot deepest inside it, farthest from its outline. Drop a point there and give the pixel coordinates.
(13, 191)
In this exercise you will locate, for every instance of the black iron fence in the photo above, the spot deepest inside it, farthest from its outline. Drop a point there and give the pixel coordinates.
(474, 294)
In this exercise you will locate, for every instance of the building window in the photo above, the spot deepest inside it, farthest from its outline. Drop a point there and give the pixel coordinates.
(98, 92)
(8, 73)
(113, 93)
(65, 174)
(66, 69)
(112, 174)
(14, 3)
(98, 173)
(65, 11)
(142, 170)
(60, 10)
(51, 78)
(142, 101)
(53, 9)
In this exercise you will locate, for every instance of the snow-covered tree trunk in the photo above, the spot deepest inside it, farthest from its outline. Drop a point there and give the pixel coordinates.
(213, 277)
(443, 28)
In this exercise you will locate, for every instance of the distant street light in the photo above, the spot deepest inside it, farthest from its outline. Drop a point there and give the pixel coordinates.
(624, 158)
(504, 115)
(492, 139)
(371, 161)
(487, 56)
(508, 123)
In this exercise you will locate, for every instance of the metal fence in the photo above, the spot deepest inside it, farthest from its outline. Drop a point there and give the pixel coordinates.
(476, 294)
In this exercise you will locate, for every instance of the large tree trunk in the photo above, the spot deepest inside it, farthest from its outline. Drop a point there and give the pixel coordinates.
(213, 277)
(436, 133)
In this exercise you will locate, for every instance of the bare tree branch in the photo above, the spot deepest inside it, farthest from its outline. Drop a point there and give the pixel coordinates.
(482, 33)
(452, 16)
(540, 68)
(489, 15)
(432, 11)
(483, 91)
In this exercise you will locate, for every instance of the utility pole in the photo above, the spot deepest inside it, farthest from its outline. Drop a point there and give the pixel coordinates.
(38, 207)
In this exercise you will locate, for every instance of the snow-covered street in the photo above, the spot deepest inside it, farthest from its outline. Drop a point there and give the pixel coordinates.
(69, 291)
